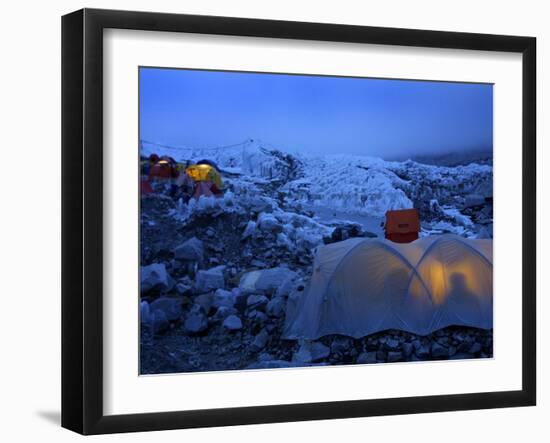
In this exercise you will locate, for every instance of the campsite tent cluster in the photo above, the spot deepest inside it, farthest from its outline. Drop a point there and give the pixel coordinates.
(185, 180)
(362, 286)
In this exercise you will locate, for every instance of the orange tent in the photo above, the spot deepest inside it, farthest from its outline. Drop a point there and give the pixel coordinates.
(162, 169)
(402, 226)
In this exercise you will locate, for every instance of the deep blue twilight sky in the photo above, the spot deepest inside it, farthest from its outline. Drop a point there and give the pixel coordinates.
(385, 118)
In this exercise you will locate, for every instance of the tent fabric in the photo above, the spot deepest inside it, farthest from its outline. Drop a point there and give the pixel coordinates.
(205, 172)
(145, 187)
(362, 286)
(162, 169)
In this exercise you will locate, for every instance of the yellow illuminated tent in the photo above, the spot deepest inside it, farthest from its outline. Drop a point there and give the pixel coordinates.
(362, 286)
(205, 172)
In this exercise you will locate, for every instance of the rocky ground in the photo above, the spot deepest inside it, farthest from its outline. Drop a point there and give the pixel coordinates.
(216, 274)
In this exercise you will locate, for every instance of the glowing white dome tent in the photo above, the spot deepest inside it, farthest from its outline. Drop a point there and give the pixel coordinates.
(362, 286)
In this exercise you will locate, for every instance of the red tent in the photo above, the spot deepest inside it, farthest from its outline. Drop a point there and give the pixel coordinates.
(145, 187)
(162, 169)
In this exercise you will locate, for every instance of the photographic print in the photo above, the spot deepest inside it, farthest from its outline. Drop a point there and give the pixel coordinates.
(304, 220)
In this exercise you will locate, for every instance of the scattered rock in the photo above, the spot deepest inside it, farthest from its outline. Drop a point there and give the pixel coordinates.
(276, 307)
(205, 301)
(260, 341)
(196, 322)
(475, 348)
(407, 349)
(210, 279)
(223, 312)
(394, 356)
(233, 323)
(171, 307)
(249, 230)
(423, 352)
(144, 313)
(183, 289)
(191, 250)
(341, 345)
(159, 322)
(265, 280)
(223, 298)
(311, 352)
(366, 358)
(258, 302)
(155, 277)
(439, 351)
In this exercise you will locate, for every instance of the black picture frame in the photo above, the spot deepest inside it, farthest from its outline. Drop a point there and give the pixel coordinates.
(82, 218)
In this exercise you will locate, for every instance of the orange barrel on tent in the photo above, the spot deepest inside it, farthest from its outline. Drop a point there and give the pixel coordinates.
(402, 226)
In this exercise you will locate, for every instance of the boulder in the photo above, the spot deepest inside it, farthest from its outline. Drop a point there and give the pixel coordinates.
(407, 349)
(475, 348)
(341, 345)
(210, 279)
(155, 277)
(286, 287)
(223, 298)
(190, 250)
(311, 352)
(233, 323)
(265, 280)
(195, 322)
(249, 230)
(391, 344)
(144, 312)
(276, 307)
(423, 352)
(439, 351)
(171, 307)
(183, 289)
(205, 301)
(366, 358)
(159, 322)
(394, 356)
(223, 312)
(257, 316)
(255, 301)
(260, 341)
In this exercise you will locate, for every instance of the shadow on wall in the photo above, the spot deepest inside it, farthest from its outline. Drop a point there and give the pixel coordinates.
(53, 417)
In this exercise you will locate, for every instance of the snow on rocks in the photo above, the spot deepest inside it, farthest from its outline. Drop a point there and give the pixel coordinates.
(268, 222)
